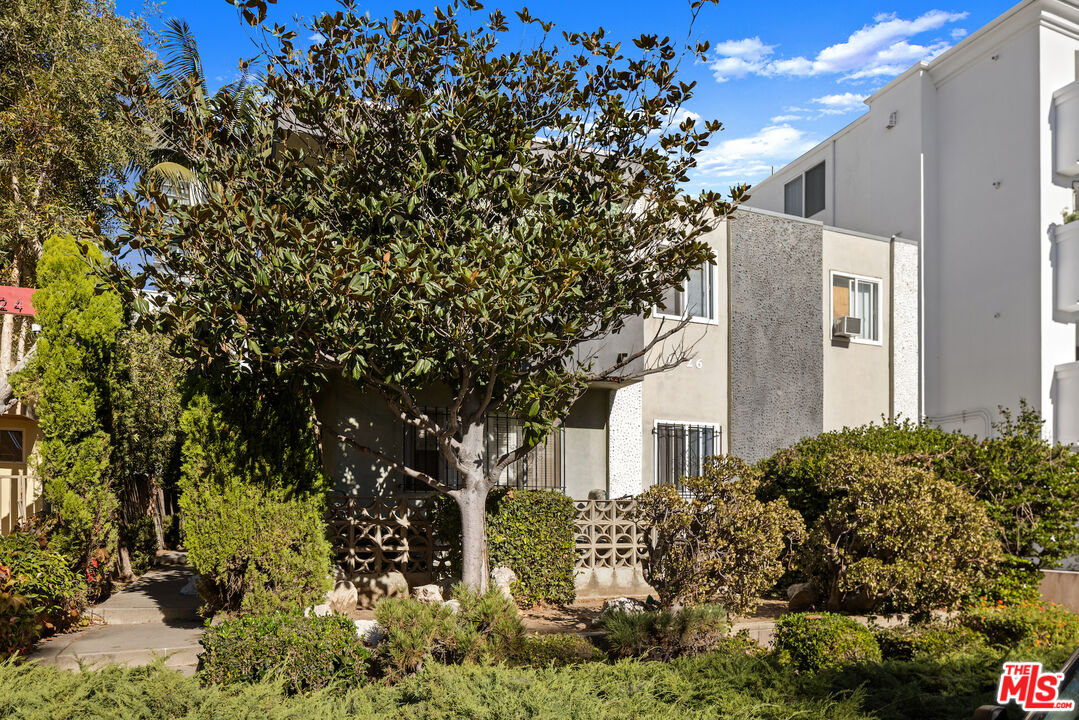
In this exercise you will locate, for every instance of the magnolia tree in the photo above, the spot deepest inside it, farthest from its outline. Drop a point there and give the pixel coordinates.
(418, 207)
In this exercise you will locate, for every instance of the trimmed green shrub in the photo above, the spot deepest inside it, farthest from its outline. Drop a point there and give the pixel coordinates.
(486, 626)
(1024, 625)
(665, 634)
(252, 497)
(927, 641)
(306, 653)
(895, 536)
(812, 642)
(557, 650)
(44, 594)
(721, 544)
(531, 532)
(1029, 487)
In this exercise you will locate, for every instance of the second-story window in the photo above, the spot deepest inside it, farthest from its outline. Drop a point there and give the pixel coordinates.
(697, 300)
(858, 297)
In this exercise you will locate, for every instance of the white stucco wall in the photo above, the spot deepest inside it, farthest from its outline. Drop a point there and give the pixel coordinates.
(624, 441)
(905, 335)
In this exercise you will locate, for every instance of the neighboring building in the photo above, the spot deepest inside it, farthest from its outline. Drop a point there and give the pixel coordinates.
(767, 369)
(975, 155)
(20, 489)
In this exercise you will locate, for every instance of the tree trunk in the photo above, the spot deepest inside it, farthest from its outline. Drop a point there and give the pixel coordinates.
(473, 506)
(7, 333)
(471, 498)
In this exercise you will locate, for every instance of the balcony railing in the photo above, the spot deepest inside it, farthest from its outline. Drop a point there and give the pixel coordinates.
(1065, 395)
(1066, 272)
(1066, 134)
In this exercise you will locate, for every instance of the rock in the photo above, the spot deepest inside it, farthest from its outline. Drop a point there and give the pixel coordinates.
(503, 578)
(369, 631)
(191, 588)
(453, 605)
(430, 594)
(581, 626)
(370, 590)
(859, 602)
(342, 598)
(623, 604)
(801, 596)
(318, 611)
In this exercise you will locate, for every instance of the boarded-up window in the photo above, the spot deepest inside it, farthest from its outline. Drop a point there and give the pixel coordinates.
(860, 298)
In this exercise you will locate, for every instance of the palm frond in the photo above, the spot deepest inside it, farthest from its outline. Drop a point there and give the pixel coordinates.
(180, 55)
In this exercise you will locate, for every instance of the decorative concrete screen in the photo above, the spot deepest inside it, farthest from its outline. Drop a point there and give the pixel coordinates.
(375, 536)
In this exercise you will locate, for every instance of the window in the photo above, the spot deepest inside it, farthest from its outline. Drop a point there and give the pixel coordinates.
(11, 446)
(814, 179)
(541, 469)
(804, 196)
(857, 297)
(792, 197)
(697, 300)
(681, 449)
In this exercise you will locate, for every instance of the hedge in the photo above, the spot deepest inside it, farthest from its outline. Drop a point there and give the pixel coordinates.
(532, 532)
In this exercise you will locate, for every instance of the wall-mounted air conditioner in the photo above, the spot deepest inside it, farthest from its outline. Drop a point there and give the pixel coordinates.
(847, 327)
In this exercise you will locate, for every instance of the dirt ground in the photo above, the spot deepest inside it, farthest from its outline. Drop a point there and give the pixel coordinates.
(579, 616)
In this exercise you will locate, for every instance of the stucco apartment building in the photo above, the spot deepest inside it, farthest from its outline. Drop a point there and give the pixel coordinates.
(974, 154)
(797, 328)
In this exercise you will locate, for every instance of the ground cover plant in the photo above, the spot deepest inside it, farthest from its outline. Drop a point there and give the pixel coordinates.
(665, 634)
(717, 684)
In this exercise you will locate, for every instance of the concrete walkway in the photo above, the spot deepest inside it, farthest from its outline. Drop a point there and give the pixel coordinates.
(148, 619)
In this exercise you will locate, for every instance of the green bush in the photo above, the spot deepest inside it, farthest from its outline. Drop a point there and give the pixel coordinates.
(557, 650)
(721, 544)
(306, 653)
(927, 641)
(665, 634)
(251, 493)
(19, 628)
(895, 536)
(812, 642)
(531, 532)
(1029, 487)
(44, 594)
(1025, 625)
(486, 626)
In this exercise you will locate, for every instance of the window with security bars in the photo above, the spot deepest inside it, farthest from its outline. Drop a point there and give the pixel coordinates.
(681, 449)
(541, 469)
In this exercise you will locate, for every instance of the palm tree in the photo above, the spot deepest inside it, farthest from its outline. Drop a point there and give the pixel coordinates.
(182, 89)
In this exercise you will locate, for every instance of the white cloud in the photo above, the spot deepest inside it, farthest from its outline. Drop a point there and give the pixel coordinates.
(959, 33)
(840, 104)
(881, 48)
(747, 159)
(738, 58)
(785, 118)
(317, 38)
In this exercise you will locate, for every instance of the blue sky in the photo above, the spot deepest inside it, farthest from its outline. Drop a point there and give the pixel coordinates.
(781, 75)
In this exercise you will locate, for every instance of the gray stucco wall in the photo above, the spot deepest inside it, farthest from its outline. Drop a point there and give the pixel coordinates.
(776, 339)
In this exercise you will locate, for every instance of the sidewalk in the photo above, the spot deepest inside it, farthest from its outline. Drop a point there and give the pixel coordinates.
(147, 620)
